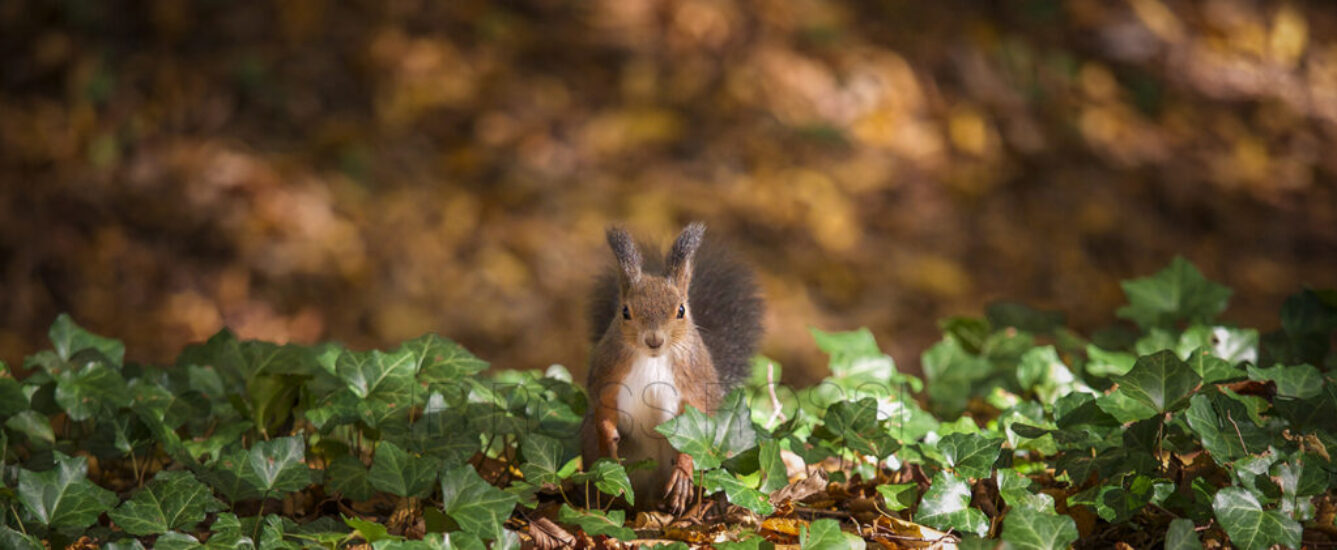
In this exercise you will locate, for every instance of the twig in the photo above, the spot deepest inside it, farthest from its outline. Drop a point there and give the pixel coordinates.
(1237, 432)
(1158, 507)
(944, 537)
(821, 512)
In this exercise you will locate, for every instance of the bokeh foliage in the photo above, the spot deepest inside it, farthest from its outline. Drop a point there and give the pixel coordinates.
(368, 171)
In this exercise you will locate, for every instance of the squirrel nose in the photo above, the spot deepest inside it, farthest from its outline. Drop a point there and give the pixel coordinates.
(654, 340)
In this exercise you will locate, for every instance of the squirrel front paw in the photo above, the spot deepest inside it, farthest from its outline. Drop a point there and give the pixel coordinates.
(679, 489)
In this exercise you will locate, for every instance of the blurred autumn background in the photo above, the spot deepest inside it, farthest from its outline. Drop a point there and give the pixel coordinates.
(369, 170)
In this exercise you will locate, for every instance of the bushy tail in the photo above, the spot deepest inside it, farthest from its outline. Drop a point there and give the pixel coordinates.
(725, 301)
(727, 307)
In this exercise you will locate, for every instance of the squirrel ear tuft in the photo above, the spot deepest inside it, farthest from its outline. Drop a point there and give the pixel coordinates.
(628, 256)
(679, 259)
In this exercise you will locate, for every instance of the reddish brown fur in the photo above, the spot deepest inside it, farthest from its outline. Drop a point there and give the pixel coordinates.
(653, 302)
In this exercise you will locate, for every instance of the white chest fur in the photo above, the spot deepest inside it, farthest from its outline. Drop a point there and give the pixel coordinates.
(650, 397)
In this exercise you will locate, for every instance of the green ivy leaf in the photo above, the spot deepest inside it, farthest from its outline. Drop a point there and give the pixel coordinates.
(899, 496)
(1223, 426)
(347, 476)
(1299, 381)
(1161, 381)
(1108, 363)
(227, 534)
(509, 541)
(479, 508)
(33, 424)
(596, 523)
(395, 471)
(69, 339)
(375, 372)
(855, 425)
(856, 361)
(440, 360)
(1312, 479)
(1211, 368)
(1042, 372)
(1177, 293)
(1233, 345)
(946, 505)
(711, 440)
(825, 534)
(449, 541)
(88, 384)
(370, 531)
(1016, 492)
(737, 492)
(1124, 407)
(970, 455)
(442, 433)
(1157, 384)
(12, 398)
(1116, 503)
(609, 477)
(968, 332)
(271, 397)
(1313, 414)
(1249, 526)
(1181, 536)
(1034, 529)
(177, 541)
(278, 465)
(10, 538)
(173, 500)
(63, 497)
(525, 493)
(772, 466)
(1297, 479)
(545, 460)
(231, 476)
(224, 436)
(951, 372)
(334, 409)
(274, 531)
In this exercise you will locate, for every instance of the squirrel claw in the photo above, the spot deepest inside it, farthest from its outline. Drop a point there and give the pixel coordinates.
(678, 491)
(679, 488)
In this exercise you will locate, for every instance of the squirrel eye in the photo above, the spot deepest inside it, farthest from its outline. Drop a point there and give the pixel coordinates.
(681, 311)
(626, 313)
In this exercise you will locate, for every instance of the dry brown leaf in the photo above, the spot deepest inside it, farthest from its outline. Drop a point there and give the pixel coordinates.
(893, 532)
(652, 520)
(549, 536)
(783, 526)
(691, 533)
(815, 482)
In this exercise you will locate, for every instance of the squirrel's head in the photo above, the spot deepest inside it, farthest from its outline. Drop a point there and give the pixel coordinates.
(653, 311)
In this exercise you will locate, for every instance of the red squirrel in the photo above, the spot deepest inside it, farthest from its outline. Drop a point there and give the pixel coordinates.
(666, 335)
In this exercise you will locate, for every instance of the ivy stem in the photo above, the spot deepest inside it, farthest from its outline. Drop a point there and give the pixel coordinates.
(12, 510)
(700, 486)
(1160, 437)
(134, 464)
(255, 531)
